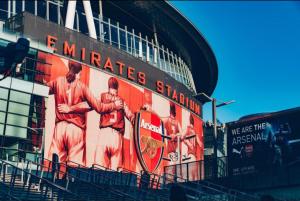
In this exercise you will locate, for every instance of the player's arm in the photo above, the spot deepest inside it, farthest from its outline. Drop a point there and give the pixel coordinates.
(129, 115)
(187, 142)
(97, 105)
(81, 107)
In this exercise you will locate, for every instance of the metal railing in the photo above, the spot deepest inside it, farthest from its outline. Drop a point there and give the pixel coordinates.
(130, 181)
(199, 170)
(203, 189)
(144, 182)
(9, 173)
(72, 176)
(75, 180)
(28, 71)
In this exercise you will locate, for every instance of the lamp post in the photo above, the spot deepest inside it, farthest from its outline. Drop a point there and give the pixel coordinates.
(214, 119)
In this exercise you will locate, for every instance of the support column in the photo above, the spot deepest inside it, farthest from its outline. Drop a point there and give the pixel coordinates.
(215, 158)
(70, 14)
(89, 19)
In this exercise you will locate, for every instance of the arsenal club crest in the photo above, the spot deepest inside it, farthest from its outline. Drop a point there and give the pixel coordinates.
(149, 140)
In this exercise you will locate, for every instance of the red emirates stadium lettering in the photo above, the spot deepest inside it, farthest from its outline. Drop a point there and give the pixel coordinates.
(167, 90)
(120, 68)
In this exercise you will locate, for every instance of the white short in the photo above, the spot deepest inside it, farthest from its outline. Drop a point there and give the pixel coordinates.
(109, 148)
(68, 142)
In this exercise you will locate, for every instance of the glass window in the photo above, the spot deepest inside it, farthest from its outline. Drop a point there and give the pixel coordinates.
(113, 22)
(41, 9)
(2, 117)
(1, 129)
(96, 21)
(151, 54)
(29, 6)
(20, 97)
(114, 36)
(3, 105)
(53, 14)
(163, 62)
(105, 19)
(144, 49)
(3, 10)
(83, 24)
(130, 42)
(19, 6)
(106, 32)
(16, 131)
(136, 50)
(17, 120)
(18, 108)
(3, 93)
(4, 5)
(123, 39)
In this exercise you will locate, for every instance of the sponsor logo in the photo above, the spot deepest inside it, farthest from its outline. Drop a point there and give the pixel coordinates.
(151, 127)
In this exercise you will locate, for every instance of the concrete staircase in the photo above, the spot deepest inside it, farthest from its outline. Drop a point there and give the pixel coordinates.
(20, 184)
(28, 180)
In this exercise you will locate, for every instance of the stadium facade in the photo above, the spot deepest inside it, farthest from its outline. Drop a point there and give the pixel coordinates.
(111, 83)
(97, 102)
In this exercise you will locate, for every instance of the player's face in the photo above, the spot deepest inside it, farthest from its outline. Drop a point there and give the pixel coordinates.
(113, 91)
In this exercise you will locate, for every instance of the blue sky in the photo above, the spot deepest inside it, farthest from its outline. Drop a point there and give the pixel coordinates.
(257, 46)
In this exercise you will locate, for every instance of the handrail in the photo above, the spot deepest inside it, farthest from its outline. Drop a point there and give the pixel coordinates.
(139, 176)
(113, 191)
(76, 177)
(78, 171)
(225, 188)
(43, 159)
(94, 166)
(150, 180)
(230, 192)
(159, 184)
(197, 191)
(99, 167)
(51, 184)
(78, 165)
(141, 190)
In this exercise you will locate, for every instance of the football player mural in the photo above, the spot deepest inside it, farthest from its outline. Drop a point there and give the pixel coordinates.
(173, 129)
(96, 118)
(192, 141)
(68, 136)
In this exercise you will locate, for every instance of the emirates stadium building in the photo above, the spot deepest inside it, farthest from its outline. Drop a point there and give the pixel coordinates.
(101, 85)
